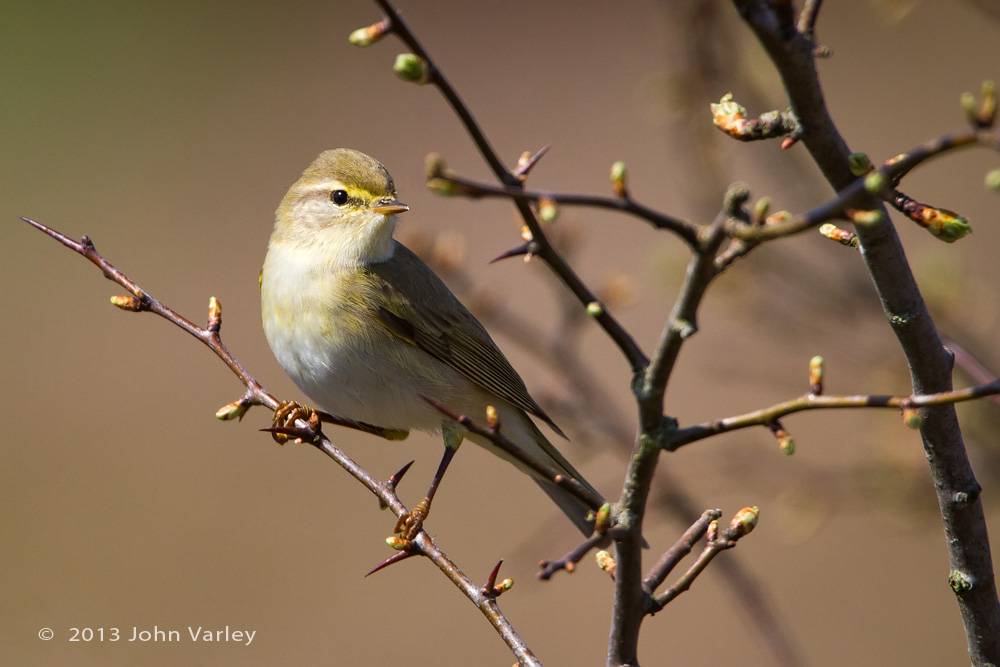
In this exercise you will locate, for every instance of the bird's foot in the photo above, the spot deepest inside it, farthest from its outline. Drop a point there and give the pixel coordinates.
(285, 416)
(410, 524)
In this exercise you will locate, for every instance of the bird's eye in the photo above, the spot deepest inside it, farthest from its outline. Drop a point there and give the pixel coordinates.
(339, 197)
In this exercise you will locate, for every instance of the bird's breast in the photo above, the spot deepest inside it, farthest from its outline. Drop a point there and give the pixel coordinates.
(322, 327)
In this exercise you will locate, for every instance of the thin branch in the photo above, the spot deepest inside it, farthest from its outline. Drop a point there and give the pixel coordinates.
(592, 414)
(973, 579)
(726, 539)
(436, 77)
(544, 250)
(384, 491)
(681, 548)
(209, 336)
(854, 195)
(766, 416)
(569, 561)
(683, 320)
(494, 435)
(808, 17)
(655, 431)
(475, 190)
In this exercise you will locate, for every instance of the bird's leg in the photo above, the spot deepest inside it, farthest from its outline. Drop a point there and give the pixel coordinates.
(285, 415)
(410, 524)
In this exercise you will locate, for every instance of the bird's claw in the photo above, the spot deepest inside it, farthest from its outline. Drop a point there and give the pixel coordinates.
(410, 524)
(285, 416)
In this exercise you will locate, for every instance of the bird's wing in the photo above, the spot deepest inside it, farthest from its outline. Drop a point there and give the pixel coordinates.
(445, 329)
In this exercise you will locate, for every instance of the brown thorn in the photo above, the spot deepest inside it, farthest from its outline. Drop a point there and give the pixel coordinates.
(395, 558)
(522, 171)
(62, 238)
(300, 434)
(525, 249)
(489, 588)
(398, 476)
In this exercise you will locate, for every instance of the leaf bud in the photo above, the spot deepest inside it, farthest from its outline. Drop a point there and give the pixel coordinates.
(411, 67)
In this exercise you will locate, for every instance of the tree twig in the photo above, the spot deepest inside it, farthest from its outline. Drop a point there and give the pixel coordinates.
(384, 491)
(475, 190)
(972, 576)
(542, 249)
(771, 414)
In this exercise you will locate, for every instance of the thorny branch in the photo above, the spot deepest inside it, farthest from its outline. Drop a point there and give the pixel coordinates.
(651, 377)
(451, 184)
(769, 415)
(496, 436)
(541, 247)
(792, 50)
(972, 578)
(257, 395)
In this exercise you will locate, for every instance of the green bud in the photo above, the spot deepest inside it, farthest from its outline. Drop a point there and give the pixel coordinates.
(988, 109)
(960, 582)
(433, 166)
(745, 520)
(969, 107)
(603, 520)
(787, 445)
(729, 116)
(859, 163)
(947, 225)
(761, 209)
(816, 375)
(411, 67)
(618, 174)
(369, 34)
(547, 210)
(126, 303)
(397, 543)
(993, 180)
(727, 106)
(594, 309)
(234, 410)
(912, 418)
(443, 187)
(875, 183)
(872, 217)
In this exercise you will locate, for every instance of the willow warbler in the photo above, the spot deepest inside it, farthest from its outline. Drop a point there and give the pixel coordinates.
(367, 330)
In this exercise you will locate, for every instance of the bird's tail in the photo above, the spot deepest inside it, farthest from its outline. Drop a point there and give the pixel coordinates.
(572, 507)
(531, 439)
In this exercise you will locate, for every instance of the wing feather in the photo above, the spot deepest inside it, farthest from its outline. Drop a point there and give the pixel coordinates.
(445, 329)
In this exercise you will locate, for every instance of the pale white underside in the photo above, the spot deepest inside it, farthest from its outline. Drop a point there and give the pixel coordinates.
(364, 373)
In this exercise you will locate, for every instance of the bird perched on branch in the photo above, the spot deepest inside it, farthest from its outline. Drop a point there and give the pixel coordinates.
(369, 332)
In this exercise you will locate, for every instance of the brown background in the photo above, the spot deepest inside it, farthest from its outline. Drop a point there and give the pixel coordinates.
(169, 133)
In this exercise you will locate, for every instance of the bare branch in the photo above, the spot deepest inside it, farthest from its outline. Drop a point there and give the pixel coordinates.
(569, 561)
(384, 491)
(808, 17)
(544, 470)
(854, 195)
(475, 190)
(741, 525)
(771, 414)
(545, 251)
(930, 366)
(682, 547)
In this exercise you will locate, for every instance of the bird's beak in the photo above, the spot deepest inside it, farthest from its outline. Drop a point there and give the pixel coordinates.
(390, 207)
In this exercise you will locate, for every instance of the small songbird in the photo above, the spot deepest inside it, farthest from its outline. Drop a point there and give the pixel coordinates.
(368, 331)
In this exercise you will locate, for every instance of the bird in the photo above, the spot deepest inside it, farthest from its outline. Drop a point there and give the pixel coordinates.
(369, 332)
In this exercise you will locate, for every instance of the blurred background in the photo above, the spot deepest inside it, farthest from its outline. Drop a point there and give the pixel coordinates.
(169, 132)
